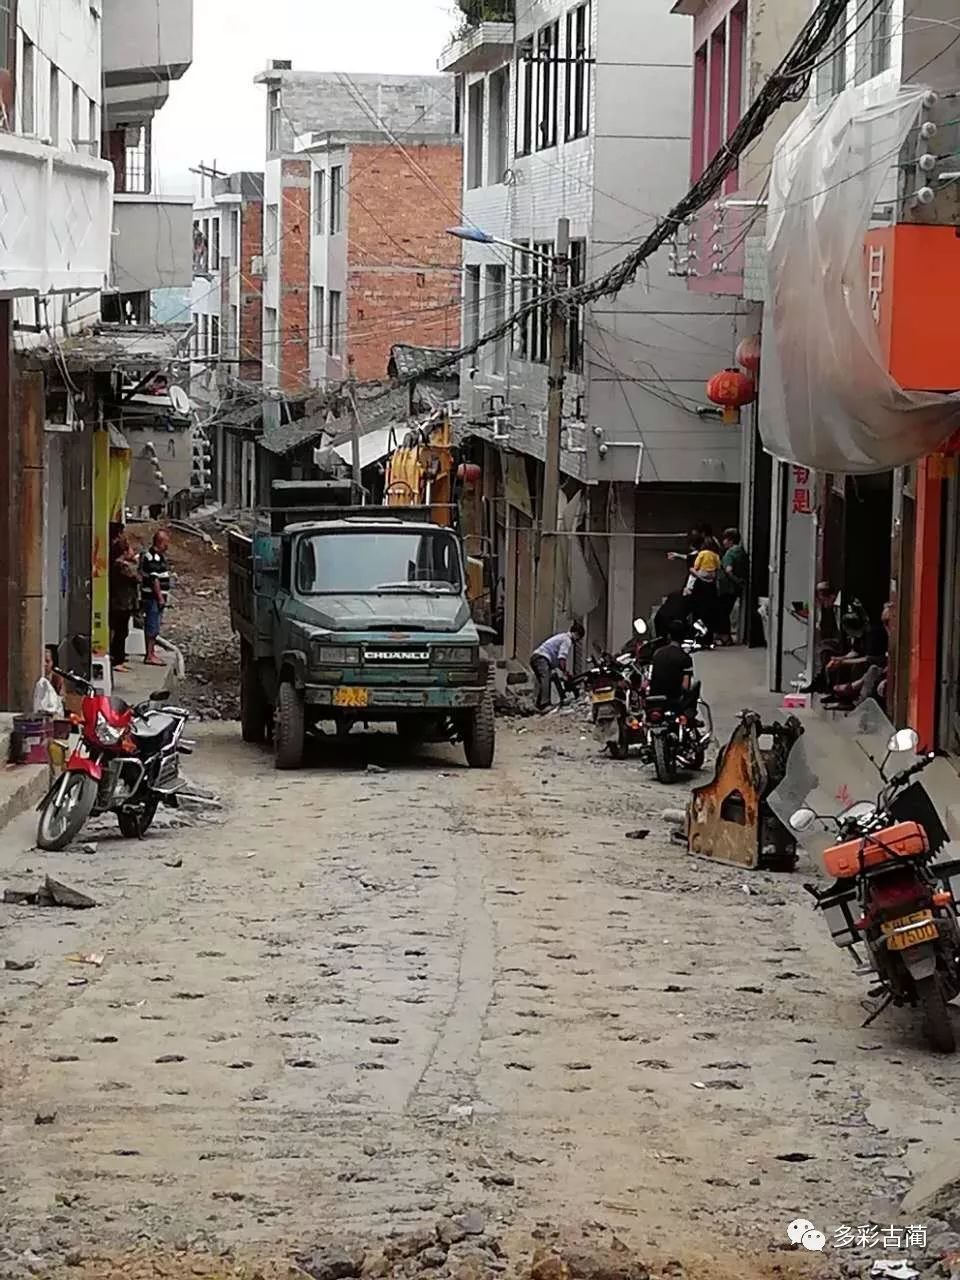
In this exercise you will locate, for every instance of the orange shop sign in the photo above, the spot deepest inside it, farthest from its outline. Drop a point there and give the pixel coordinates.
(913, 276)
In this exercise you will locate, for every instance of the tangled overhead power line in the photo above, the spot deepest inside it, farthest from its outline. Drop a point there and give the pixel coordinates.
(788, 83)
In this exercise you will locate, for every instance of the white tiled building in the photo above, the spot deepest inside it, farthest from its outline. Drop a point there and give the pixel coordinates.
(583, 110)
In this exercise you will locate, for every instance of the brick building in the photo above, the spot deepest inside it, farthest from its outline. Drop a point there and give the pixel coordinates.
(363, 177)
(227, 319)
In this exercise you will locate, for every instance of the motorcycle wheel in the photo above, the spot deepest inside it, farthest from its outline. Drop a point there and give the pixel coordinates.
(664, 760)
(65, 811)
(619, 749)
(135, 823)
(937, 1026)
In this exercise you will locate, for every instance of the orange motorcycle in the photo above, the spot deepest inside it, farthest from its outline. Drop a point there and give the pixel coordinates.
(888, 895)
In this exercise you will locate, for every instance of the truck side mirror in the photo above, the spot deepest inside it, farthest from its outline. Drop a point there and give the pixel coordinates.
(286, 575)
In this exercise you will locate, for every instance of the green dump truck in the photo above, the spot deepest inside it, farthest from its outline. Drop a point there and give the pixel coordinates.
(356, 615)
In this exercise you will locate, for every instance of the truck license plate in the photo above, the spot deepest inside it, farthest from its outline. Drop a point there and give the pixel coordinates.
(925, 931)
(350, 697)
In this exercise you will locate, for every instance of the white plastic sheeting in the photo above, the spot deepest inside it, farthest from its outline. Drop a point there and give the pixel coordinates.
(827, 399)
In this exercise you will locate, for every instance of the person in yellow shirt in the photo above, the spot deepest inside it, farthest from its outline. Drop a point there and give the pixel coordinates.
(701, 588)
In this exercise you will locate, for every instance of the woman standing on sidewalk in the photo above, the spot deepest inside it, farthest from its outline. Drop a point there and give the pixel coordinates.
(154, 590)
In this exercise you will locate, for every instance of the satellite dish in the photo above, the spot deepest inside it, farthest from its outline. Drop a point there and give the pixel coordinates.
(180, 400)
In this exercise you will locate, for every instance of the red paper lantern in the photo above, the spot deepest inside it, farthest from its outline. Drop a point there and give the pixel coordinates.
(748, 354)
(731, 388)
(469, 472)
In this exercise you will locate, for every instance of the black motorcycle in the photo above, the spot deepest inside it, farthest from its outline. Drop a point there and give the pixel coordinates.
(678, 732)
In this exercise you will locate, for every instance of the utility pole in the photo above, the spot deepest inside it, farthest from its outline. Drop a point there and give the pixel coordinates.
(355, 442)
(547, 565)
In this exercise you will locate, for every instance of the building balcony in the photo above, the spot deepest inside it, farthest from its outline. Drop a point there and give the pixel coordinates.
(146, 45)
(152, 243)
(55, 219)
(482, 47)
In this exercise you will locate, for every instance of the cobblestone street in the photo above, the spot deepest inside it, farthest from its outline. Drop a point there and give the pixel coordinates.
(379, 992)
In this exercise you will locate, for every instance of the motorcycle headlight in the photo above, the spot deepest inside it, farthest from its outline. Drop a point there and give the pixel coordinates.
(107, 733)
(337, 655)
(454, 655)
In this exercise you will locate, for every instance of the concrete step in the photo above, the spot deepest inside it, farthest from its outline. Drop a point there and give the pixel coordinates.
(22, 786)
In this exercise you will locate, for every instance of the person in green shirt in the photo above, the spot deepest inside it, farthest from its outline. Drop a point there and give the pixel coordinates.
(731, 582)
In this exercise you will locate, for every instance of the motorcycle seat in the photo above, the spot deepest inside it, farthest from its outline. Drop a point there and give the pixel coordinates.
(902, 840)
(151, 730)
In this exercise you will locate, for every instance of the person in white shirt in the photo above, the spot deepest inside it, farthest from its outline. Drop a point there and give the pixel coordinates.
(553, 655)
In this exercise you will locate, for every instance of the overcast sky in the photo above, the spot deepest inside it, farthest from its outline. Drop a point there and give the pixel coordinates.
(216, 112)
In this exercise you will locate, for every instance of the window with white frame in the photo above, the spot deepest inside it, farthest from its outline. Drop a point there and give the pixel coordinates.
(498, 137)
(831, 77)
(53, 129)
(235, 329)
(873, 43)
(475, 108)
(214, 335)
(336, 200)
(495, 312)
(335, 323)
(27, 96)
(578, 51)
(578, 274)
(75, 118)
(94, 127)
(273, 120)
(271, 228)
(271, 337)
(215, 244)
(319, 204)
(316, 319)
(471, 304)
(548, 53)
(526, 82)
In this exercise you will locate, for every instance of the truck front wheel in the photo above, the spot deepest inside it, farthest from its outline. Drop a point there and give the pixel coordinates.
(289, 727)
(479, 739)
(254, 709)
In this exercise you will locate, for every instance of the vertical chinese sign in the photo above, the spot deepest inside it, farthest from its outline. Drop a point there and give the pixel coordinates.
(801, 498)
(100, 629)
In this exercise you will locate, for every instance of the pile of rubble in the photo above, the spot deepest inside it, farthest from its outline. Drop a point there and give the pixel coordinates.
(198, 621)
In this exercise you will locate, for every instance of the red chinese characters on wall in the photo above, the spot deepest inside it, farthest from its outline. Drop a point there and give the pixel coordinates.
(802, 504)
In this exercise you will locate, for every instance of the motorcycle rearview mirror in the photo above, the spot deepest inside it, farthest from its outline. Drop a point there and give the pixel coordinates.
(639, 626)
(802, 820)
(904, 740)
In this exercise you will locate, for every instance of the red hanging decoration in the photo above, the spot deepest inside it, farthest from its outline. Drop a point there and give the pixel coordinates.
(731, 388)
(748, 354)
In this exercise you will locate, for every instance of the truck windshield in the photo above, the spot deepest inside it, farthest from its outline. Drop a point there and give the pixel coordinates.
(391, 561)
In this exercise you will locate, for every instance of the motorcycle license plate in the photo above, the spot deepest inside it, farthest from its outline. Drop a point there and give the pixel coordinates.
(603, 695)
(925, 930)
(350, 697)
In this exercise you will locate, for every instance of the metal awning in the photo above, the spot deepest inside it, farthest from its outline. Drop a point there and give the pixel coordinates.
(373, 446)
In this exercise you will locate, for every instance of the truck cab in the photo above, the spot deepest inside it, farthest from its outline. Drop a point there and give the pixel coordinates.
(360, 616)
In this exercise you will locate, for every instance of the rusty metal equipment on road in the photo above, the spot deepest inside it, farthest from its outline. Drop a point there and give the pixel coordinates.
(728, 819)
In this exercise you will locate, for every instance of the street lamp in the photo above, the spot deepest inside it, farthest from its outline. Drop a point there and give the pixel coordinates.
(478, 236)
(550, 501)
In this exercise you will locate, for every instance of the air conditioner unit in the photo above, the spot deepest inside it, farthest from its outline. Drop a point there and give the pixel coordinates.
(256, 265)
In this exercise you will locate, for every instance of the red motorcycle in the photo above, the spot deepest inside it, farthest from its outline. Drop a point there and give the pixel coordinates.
(126, 762)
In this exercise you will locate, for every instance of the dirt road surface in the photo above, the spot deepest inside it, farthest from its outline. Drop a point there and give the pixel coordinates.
(364, 999)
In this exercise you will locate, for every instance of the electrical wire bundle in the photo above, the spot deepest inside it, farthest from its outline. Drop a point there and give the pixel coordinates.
(788, 83)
